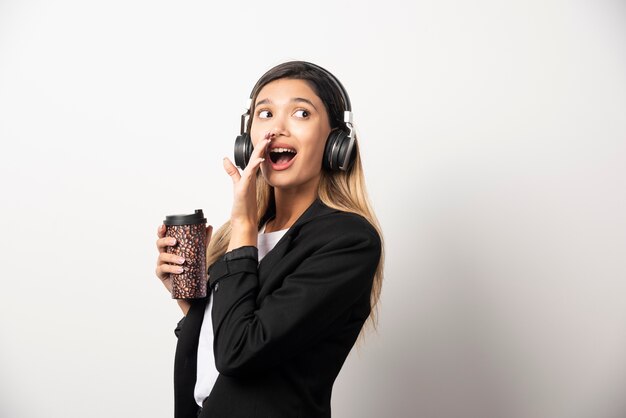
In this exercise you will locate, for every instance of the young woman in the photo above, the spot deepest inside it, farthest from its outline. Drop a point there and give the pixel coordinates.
(296, 271)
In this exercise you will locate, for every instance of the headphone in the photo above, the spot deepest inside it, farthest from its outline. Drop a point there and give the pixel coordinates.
(339, 152)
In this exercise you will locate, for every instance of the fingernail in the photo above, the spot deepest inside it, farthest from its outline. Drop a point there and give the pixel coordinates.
(181, 260)
(180, 269)
(172, 241)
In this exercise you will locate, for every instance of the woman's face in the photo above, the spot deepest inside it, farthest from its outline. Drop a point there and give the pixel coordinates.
(289, 110)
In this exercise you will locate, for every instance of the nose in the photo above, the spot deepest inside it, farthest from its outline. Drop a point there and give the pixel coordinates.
(273, 133)
(278, 128)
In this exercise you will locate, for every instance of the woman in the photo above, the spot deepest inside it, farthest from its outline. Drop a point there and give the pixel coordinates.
(296, 271)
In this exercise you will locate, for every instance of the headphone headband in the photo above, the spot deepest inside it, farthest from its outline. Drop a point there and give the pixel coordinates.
(340, 87)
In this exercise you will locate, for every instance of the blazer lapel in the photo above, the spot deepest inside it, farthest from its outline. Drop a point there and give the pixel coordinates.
(267, 264)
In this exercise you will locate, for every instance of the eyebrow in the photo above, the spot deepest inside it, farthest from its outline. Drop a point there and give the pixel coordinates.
(294, 100)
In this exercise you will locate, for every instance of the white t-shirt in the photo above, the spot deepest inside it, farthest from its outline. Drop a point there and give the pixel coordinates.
(206, 371)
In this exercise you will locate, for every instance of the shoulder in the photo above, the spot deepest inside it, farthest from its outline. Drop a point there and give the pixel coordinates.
(342, 226)
(343, 222)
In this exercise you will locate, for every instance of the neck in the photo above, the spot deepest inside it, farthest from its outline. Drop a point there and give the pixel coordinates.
(290, 205)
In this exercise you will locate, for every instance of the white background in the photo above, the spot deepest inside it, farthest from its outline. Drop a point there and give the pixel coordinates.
(493, 135)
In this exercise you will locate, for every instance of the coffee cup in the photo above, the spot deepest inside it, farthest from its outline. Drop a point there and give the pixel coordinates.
(190, 234)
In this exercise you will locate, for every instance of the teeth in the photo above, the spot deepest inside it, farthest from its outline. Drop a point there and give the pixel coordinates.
(283, 150)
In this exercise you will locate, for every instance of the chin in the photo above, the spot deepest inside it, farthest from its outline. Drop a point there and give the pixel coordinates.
(289, 178)
(278, 184)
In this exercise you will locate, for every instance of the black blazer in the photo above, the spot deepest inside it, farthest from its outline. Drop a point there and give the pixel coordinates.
(282, 328)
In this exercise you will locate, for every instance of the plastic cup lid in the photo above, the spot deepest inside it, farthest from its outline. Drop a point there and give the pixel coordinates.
(191, 219)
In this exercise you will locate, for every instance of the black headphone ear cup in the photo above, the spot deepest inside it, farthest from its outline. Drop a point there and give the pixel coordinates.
(335, 151)
(243, 150)
(331, 144)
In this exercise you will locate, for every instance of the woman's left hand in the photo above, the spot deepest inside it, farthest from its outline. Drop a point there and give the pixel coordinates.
(244, 210)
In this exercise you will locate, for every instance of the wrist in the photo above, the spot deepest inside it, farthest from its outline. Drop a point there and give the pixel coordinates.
(242, 234)
(243, 224)
(184, 306)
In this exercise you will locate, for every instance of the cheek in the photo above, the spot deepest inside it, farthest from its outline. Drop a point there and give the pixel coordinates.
(314, 139)
(321, 145)
(315, 153)
(254, 136)
(321, 149)
(257, 133)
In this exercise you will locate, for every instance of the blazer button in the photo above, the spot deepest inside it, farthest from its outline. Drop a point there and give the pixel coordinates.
(216, 287)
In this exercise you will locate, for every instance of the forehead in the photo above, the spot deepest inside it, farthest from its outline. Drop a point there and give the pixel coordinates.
(287, 88)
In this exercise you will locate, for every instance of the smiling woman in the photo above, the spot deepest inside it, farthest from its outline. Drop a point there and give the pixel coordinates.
(296, 272)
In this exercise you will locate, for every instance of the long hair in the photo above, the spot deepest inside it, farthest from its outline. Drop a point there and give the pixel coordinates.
(342, 190)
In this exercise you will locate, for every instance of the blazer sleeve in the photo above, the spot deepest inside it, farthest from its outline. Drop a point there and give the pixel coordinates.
(250, 338)
(179, 327)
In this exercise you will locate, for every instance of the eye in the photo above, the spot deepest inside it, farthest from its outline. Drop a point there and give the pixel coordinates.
(302, 113)
(264, 114)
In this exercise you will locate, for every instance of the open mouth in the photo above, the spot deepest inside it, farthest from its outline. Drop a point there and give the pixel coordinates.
(282, 156)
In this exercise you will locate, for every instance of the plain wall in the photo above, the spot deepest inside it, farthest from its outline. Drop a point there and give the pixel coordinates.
(494, 143)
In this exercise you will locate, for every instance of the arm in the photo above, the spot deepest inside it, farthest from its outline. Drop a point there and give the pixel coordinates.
(250, 338)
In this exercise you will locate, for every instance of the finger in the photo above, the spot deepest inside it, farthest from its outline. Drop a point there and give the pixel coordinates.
(163, 270)
(267, 139)
(257, 157)
(170, 258)
(161, 231)
(162, 243)
(260, 151)
(231, 170)
(254, 166)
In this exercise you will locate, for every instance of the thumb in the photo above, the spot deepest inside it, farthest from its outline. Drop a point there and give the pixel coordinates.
(231, 170)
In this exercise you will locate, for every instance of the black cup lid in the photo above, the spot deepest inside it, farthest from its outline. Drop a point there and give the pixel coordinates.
(195, 218)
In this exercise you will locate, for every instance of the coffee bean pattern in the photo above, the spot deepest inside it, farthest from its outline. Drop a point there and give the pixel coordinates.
(191, 245)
